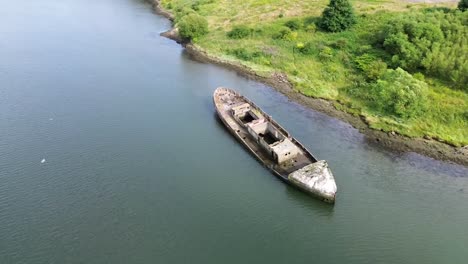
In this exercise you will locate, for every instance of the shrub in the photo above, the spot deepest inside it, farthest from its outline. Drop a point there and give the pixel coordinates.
(326, 53)
(311, 28)
(419, 76)
(375, 70)
(307, 49)
(192, 26)
(463, 5)
(372, 67)
(282, 33)
(340, 43)
(196, 6)
(291, 36)
(330, 72)
(180, 12)
(293, 24)
(243, 54)
(239, 32)
(432, 41)
(398, 93)
(337, 16)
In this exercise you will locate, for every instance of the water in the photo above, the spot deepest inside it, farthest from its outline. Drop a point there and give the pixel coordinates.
(110, 152)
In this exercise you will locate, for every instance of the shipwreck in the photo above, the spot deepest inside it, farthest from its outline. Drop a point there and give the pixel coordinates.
(273, 145)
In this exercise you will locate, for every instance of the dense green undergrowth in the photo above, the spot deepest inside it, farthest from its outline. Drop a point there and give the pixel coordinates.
(403, 68)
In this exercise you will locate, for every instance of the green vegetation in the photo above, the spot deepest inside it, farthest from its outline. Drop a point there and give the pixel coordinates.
(293, 24)
(192, 26)
(402, 67)
(434, 42)
(396, 93)
(239, 32)
(337, 16)
(463, 5)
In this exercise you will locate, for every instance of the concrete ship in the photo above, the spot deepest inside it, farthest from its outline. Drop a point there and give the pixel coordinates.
(273, 145)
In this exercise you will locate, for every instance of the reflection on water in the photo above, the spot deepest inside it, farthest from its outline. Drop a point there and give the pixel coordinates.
(139, 169)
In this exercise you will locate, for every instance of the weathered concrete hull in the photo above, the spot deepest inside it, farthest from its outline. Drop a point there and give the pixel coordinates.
(313, 177)
(316, 179)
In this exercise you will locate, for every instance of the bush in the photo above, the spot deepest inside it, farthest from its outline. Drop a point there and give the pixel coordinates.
(307, 49)
(432, 41)
(196, 6)
(337, 16)
(340, 43)
(463, 5)
(326, 53)
(192, 26)
(243, 54)
(239, 32)
(311, 28)
(398, 93)
(180, 12)
(282, 33)
(372, 67)
(291, 36)
(293, 24)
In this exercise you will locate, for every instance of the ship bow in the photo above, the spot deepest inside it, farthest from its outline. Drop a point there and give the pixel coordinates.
(317, 179)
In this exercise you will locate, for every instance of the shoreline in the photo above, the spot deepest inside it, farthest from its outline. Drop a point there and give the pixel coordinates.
(279, 81)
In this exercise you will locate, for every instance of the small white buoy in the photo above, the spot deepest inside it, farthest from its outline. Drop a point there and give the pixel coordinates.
(43, 161)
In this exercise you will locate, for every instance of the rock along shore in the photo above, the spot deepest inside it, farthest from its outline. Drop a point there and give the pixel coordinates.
(279, 81)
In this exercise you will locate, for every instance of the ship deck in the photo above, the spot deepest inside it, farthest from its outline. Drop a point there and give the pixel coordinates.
(225, 101)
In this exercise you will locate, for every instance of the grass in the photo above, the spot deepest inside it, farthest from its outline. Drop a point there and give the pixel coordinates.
(327, 70)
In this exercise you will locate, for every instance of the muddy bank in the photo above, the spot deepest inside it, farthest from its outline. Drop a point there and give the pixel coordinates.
(279, 81)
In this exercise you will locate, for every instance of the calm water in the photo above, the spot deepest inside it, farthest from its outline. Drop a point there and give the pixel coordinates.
(137, 168)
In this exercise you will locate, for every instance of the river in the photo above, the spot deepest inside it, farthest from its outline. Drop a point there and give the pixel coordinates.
(110, 152)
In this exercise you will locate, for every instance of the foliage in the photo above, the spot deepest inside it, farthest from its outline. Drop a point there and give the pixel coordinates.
(399, 94)
(337, 16)
(307, 49)
(330, 66)
(326, 53)
(463, 5)
(311, 28)
(239, 32)
(372, 67)
(192, 26)
(246, 55)
(435, 42)
(283, 33)
(293, 24)
(340, 43)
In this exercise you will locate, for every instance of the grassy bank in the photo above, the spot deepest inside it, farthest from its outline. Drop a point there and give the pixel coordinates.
(336, 66)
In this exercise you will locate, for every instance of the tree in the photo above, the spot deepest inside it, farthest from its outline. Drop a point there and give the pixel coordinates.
(337, 16)
(434, 42)
(192, 26)
(398, 93)
(463, 5)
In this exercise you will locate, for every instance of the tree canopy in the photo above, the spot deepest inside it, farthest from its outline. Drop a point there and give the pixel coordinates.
(463, 5)
(434, 42)
(397, 93)
(337, 16)
(192, 26)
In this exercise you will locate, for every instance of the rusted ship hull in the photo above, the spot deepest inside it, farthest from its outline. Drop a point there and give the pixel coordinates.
(273, 145)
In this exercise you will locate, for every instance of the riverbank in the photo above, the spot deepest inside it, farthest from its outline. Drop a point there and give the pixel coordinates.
(426, 146)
